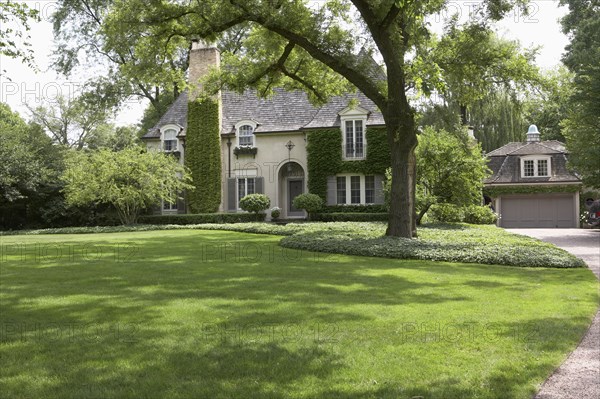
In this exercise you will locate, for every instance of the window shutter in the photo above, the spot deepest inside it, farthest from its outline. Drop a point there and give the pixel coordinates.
(331, 190)
(231, 188)
(379, 196)
(181, 203)
(259, 185)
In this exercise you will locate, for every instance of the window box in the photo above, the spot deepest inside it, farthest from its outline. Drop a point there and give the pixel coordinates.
(245, 150)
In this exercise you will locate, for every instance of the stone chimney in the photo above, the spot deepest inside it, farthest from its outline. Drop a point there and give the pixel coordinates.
(533, 135)
(204, 57)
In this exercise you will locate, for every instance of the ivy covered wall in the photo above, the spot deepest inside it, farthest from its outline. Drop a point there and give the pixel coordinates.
(324, 148)
(495, 191)
(203, 156)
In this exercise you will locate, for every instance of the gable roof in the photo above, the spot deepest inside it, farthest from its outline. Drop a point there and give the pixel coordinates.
(505, 163)
(285, 111)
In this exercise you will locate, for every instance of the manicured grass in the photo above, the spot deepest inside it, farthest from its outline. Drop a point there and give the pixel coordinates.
(216, 314)
(456, 242)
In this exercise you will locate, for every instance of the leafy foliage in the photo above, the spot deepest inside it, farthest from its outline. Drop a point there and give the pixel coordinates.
(14, 23)
(450, 169)
(255, 203)
(130, 180)
(203, 155)
(477, 214)
(564, 188)
(352, 217)
(23, 151)
(201, 218)
(582, 57)
(446, 213)
(311, 203)
(324, 148)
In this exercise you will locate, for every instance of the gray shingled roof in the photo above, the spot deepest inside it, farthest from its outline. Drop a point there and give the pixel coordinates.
(505, 164)
(176, 114)
(283, 112)
(533, 148)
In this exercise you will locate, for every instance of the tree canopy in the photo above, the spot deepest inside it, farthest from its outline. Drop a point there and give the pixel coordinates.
(131, 180)
(14, 25)
(24, 166)
(582, 57)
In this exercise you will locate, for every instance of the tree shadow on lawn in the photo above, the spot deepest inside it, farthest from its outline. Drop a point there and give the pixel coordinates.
(202, 352)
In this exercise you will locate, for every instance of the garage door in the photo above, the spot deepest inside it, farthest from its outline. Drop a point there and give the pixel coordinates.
(543, 211)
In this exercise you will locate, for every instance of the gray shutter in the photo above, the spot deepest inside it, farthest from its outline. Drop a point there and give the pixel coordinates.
(181, 202)
(259, 185)
(331, 190)
(379, 196)
(231, 195)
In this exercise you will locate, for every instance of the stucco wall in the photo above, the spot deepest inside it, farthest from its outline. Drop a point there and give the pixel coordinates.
(271, 155)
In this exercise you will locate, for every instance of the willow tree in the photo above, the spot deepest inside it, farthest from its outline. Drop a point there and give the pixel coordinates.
(321, 47)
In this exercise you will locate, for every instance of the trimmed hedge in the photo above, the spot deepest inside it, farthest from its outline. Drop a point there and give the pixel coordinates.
(200, 218)
(354, 209)
(351, 217)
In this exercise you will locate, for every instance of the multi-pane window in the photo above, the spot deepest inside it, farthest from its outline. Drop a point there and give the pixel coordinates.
(246, 186)
(354, 139)
(542, 167)
(246, 136)
(369, 189)
(535, 167)
(341, 190)
(528, 168)
(170, 140)
(169, 207)
(355, 189)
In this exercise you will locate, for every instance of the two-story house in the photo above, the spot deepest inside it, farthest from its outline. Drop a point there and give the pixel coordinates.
(531, 185)
(284, 146)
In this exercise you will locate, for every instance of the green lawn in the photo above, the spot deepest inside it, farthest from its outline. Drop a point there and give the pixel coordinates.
(218, 314)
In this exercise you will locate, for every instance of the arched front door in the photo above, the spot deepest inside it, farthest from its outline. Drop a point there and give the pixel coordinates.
(291, 183)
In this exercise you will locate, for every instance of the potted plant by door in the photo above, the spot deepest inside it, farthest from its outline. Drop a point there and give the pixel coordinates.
(275, 212)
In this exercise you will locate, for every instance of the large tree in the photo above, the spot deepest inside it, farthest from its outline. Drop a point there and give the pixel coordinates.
(320, 47)
(582, 57)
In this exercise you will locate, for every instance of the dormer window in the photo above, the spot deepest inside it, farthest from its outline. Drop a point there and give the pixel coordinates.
(170, 140)
(535, 166)
(245, 135)
(354, 140)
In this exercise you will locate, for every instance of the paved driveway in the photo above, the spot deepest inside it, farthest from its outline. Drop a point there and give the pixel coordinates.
(579, 376)
(584, 243)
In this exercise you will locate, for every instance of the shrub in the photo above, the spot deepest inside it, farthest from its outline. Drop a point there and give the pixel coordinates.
(255, 203)
(275, 212)
(447, 213)
(477, 214)
(351, 217)
(372, 208)
(311, 203)
(200, 218)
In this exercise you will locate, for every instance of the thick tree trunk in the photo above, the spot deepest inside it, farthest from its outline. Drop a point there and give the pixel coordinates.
(402, 222)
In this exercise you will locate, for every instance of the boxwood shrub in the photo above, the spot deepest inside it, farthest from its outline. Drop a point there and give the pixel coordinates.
(200, 218)
(354, 209)
(351, 217)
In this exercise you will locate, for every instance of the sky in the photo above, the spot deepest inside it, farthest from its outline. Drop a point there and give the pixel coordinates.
(22, 85)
